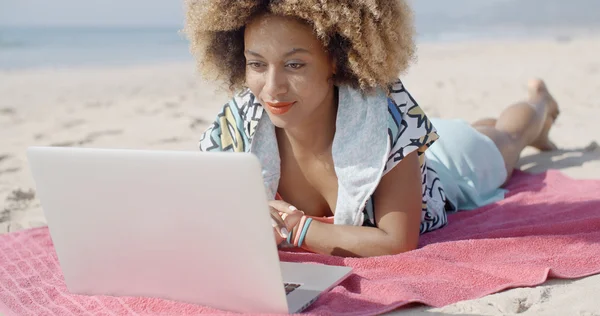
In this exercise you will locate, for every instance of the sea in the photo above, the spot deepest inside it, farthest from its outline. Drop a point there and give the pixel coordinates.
(436, 21)
(56, 47)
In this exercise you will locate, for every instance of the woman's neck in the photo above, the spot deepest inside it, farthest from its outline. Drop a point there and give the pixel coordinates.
(315, 135)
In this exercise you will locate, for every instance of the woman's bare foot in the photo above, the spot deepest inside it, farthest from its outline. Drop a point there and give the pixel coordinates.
(538, 92)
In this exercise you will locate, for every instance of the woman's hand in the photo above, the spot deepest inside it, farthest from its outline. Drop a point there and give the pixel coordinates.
(284, 223)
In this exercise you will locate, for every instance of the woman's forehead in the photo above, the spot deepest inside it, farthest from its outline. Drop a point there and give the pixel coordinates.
(281, 33)
(266, 24)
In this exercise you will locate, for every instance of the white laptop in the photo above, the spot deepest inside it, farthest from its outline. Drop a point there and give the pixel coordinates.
(185, 226)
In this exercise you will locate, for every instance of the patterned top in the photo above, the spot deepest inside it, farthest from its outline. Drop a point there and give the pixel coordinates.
(408, 129)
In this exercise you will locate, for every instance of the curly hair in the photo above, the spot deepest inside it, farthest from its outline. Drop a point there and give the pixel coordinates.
(371, 41)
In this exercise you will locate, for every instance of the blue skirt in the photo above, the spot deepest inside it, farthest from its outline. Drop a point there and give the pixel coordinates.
(469, 165)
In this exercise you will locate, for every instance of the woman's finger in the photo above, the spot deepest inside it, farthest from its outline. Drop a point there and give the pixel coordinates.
(283, 206)
(292, 220)
(278, 223)
(291, 216)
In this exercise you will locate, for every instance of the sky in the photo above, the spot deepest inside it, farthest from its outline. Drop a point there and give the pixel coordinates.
(91, 12)
(170, 12)
(155, 12)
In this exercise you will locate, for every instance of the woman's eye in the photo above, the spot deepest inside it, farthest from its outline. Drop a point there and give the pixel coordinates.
(295, 65)
(255, 65)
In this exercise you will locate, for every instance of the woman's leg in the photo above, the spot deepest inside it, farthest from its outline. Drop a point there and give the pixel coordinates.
(523, 124)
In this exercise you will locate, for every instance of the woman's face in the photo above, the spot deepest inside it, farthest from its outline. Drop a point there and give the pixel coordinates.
(288, 69)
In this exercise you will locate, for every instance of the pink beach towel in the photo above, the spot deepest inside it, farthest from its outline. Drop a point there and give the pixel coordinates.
(548, 226)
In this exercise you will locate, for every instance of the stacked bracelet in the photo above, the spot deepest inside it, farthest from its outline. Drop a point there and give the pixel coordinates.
(303, 231)
(298, 233)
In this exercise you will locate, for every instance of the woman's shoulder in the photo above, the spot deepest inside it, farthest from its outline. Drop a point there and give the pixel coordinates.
(409, 128)
(406, 117)
(244, 103)
(234, 125)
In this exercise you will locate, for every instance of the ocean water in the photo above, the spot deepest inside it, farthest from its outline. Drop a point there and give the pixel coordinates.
(64, 47)
(31, 47)
(436, 21)
(457, 20)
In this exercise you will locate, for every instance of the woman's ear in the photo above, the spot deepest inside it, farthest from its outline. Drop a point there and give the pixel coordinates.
(333, 71)
(333, 66)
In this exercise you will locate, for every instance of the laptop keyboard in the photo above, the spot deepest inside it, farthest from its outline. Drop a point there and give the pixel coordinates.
(290, 287)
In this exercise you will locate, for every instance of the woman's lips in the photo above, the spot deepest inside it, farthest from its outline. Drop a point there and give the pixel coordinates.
(279, 108)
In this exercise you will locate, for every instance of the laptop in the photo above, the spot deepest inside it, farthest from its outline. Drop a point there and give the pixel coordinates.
(185, 226)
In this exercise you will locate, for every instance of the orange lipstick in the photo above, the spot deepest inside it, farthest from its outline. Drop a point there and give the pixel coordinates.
(279, 108)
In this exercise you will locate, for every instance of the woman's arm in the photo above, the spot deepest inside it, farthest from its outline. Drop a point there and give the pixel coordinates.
(397, 214)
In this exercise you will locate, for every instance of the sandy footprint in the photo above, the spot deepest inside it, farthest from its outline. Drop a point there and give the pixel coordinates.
(197, 122)
(91, 137)
(8, 111)
(9, 170)
(73, 123)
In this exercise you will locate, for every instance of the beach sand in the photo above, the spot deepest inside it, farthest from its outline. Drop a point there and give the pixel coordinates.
(167, 106)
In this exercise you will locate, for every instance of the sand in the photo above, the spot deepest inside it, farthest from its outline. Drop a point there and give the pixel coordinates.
(167, 106)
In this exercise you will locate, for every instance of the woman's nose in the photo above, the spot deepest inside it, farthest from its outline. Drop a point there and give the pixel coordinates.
(275, 83)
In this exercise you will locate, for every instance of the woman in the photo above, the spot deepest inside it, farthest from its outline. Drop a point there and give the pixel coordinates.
(351, 163)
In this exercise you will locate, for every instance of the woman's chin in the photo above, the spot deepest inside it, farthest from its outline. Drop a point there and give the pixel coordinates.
(281, 121)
